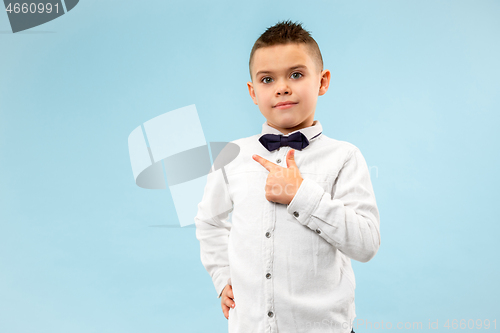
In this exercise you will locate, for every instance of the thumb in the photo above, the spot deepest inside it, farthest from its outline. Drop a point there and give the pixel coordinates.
(290, 159)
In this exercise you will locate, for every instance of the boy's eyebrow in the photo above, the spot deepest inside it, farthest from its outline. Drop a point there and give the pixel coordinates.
(290, 69)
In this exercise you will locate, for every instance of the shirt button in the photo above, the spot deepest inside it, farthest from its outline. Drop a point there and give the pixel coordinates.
(318, 231)
(268, 275)
(278, 160)
(270, 314)
(268, 234)
(296, 214)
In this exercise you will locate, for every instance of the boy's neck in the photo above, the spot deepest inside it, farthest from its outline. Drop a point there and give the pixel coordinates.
(286, 131)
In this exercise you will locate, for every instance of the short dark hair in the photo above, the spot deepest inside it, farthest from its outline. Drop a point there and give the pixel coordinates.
(286, 32)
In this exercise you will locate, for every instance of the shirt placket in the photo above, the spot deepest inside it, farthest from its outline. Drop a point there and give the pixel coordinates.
(279, 158)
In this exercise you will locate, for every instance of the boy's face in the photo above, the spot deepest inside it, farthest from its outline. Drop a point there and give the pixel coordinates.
(287, 73)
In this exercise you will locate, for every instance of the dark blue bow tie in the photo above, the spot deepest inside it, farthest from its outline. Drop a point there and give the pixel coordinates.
(295, 140)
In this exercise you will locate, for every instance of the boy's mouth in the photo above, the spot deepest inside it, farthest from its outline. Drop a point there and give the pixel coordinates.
(284, 105)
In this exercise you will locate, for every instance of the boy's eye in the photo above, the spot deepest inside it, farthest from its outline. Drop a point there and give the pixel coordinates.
(268, 79)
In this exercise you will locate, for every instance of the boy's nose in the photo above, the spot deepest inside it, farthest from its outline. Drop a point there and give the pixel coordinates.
(283, 89)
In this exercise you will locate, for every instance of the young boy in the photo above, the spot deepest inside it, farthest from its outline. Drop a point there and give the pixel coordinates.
(302, 204)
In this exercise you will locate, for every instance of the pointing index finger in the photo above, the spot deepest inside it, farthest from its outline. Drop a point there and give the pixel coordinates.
(265, 163)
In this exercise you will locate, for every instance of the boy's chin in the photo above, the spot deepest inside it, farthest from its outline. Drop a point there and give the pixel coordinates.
(285, 123)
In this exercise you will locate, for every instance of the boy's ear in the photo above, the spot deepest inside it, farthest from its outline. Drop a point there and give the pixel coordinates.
(325, 82)
(252, 92)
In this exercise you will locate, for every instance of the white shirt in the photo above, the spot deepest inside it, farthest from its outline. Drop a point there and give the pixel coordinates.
(289, 265)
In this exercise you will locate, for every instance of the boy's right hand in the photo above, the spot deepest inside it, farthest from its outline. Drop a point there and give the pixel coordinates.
(227, 300)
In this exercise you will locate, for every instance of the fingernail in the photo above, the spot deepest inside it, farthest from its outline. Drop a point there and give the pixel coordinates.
(233, 305)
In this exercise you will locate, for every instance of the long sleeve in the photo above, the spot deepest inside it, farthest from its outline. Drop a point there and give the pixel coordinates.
(348, 218)
(213, 228)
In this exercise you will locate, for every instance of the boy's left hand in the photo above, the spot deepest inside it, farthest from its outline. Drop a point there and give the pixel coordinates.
(282, 183)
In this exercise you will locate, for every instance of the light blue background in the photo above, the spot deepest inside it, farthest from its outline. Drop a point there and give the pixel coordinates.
(415, 85)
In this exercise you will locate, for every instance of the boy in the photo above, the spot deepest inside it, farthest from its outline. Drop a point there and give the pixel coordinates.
(302, 203)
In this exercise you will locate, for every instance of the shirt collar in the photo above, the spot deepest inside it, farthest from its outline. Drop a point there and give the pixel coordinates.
(310, 132)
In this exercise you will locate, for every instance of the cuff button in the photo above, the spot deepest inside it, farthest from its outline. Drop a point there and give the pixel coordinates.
(296, 214)
(318, 231)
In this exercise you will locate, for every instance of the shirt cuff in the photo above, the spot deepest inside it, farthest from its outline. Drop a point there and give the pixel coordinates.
(222, 280)
(305, 201)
